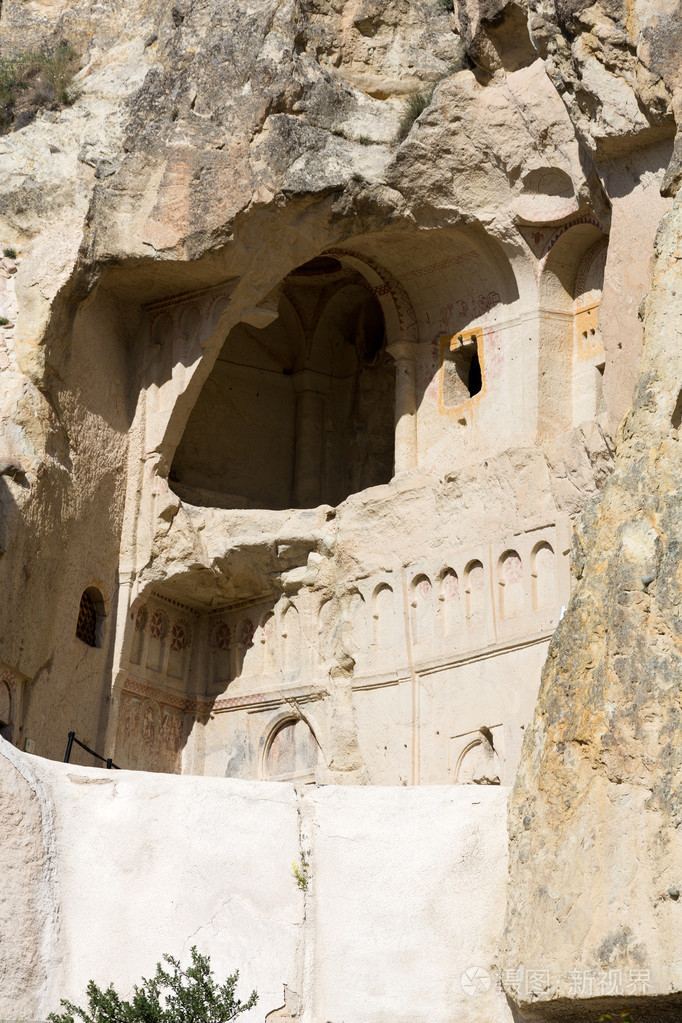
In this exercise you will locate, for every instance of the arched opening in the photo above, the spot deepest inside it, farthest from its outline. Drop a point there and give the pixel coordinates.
(292, 753)
(300, 412)
(422, 609)
(462, 377)
(588, 346)
(511, 583)
(479, 763)
(543, 576)
(571, 354)
(91, 616)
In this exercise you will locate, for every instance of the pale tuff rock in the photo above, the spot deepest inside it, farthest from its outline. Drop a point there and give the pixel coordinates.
(298, 417)
(615, 64)
(165, 210)
(495, 33)
(27, 910)
(617, 67)
(595, 817)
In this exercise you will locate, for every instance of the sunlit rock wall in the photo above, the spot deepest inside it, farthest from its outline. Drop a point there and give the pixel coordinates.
(594, 821)
(429, 335)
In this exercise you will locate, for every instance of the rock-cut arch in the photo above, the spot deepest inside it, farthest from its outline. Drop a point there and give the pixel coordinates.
(299, 412)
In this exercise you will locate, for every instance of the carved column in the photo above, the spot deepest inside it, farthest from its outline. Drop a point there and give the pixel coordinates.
(309, 439)
(404, 355)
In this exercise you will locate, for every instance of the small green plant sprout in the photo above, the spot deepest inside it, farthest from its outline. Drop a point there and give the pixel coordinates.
(301, 871)
(4, 322)
(9, 252)
(625, 1017)
(415, 104)
(180, 996)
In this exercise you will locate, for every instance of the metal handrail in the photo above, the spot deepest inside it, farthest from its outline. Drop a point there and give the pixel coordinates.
(69, 746)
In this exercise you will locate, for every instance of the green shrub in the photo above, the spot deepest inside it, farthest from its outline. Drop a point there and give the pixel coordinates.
(183, 996)
(415, 104)
(10, 253)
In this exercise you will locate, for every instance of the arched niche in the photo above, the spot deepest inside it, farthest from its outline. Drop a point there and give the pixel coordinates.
(571, 352)
(291, 642)
(90, 624)
(479, 763)
(220, 653)
(265, 642)
(510, 579)
(383, 610)
(137, 646)
(543, 573)
(422, 609)
(359, 638)
(300, 412)
(474, 588)
(291, 752)
(449, 602)
(158, 628)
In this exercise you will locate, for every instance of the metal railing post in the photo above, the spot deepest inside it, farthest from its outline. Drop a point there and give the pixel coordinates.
(72, 738)
(69, 745)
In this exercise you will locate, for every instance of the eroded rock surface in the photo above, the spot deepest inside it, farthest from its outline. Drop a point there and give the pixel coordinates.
(317, 321)
(596, 857)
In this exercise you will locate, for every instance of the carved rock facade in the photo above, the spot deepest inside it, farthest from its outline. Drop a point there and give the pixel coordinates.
(302, 403)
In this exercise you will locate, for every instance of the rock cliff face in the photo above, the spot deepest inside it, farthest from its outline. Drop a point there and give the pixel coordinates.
(615, 64)
(596, 857)
(594, 820)
(209, 154)
(318, 318)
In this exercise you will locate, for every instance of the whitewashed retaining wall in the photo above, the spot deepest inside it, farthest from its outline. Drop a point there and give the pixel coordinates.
(111, 869)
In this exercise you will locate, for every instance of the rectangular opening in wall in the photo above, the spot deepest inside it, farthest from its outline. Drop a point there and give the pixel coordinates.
(461, 377)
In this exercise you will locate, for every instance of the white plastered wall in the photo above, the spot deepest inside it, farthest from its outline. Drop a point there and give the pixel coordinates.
(405, 894)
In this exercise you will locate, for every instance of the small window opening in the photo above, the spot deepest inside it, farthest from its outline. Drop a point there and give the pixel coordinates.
(90, 615)
(677, 413)
(462, 377)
